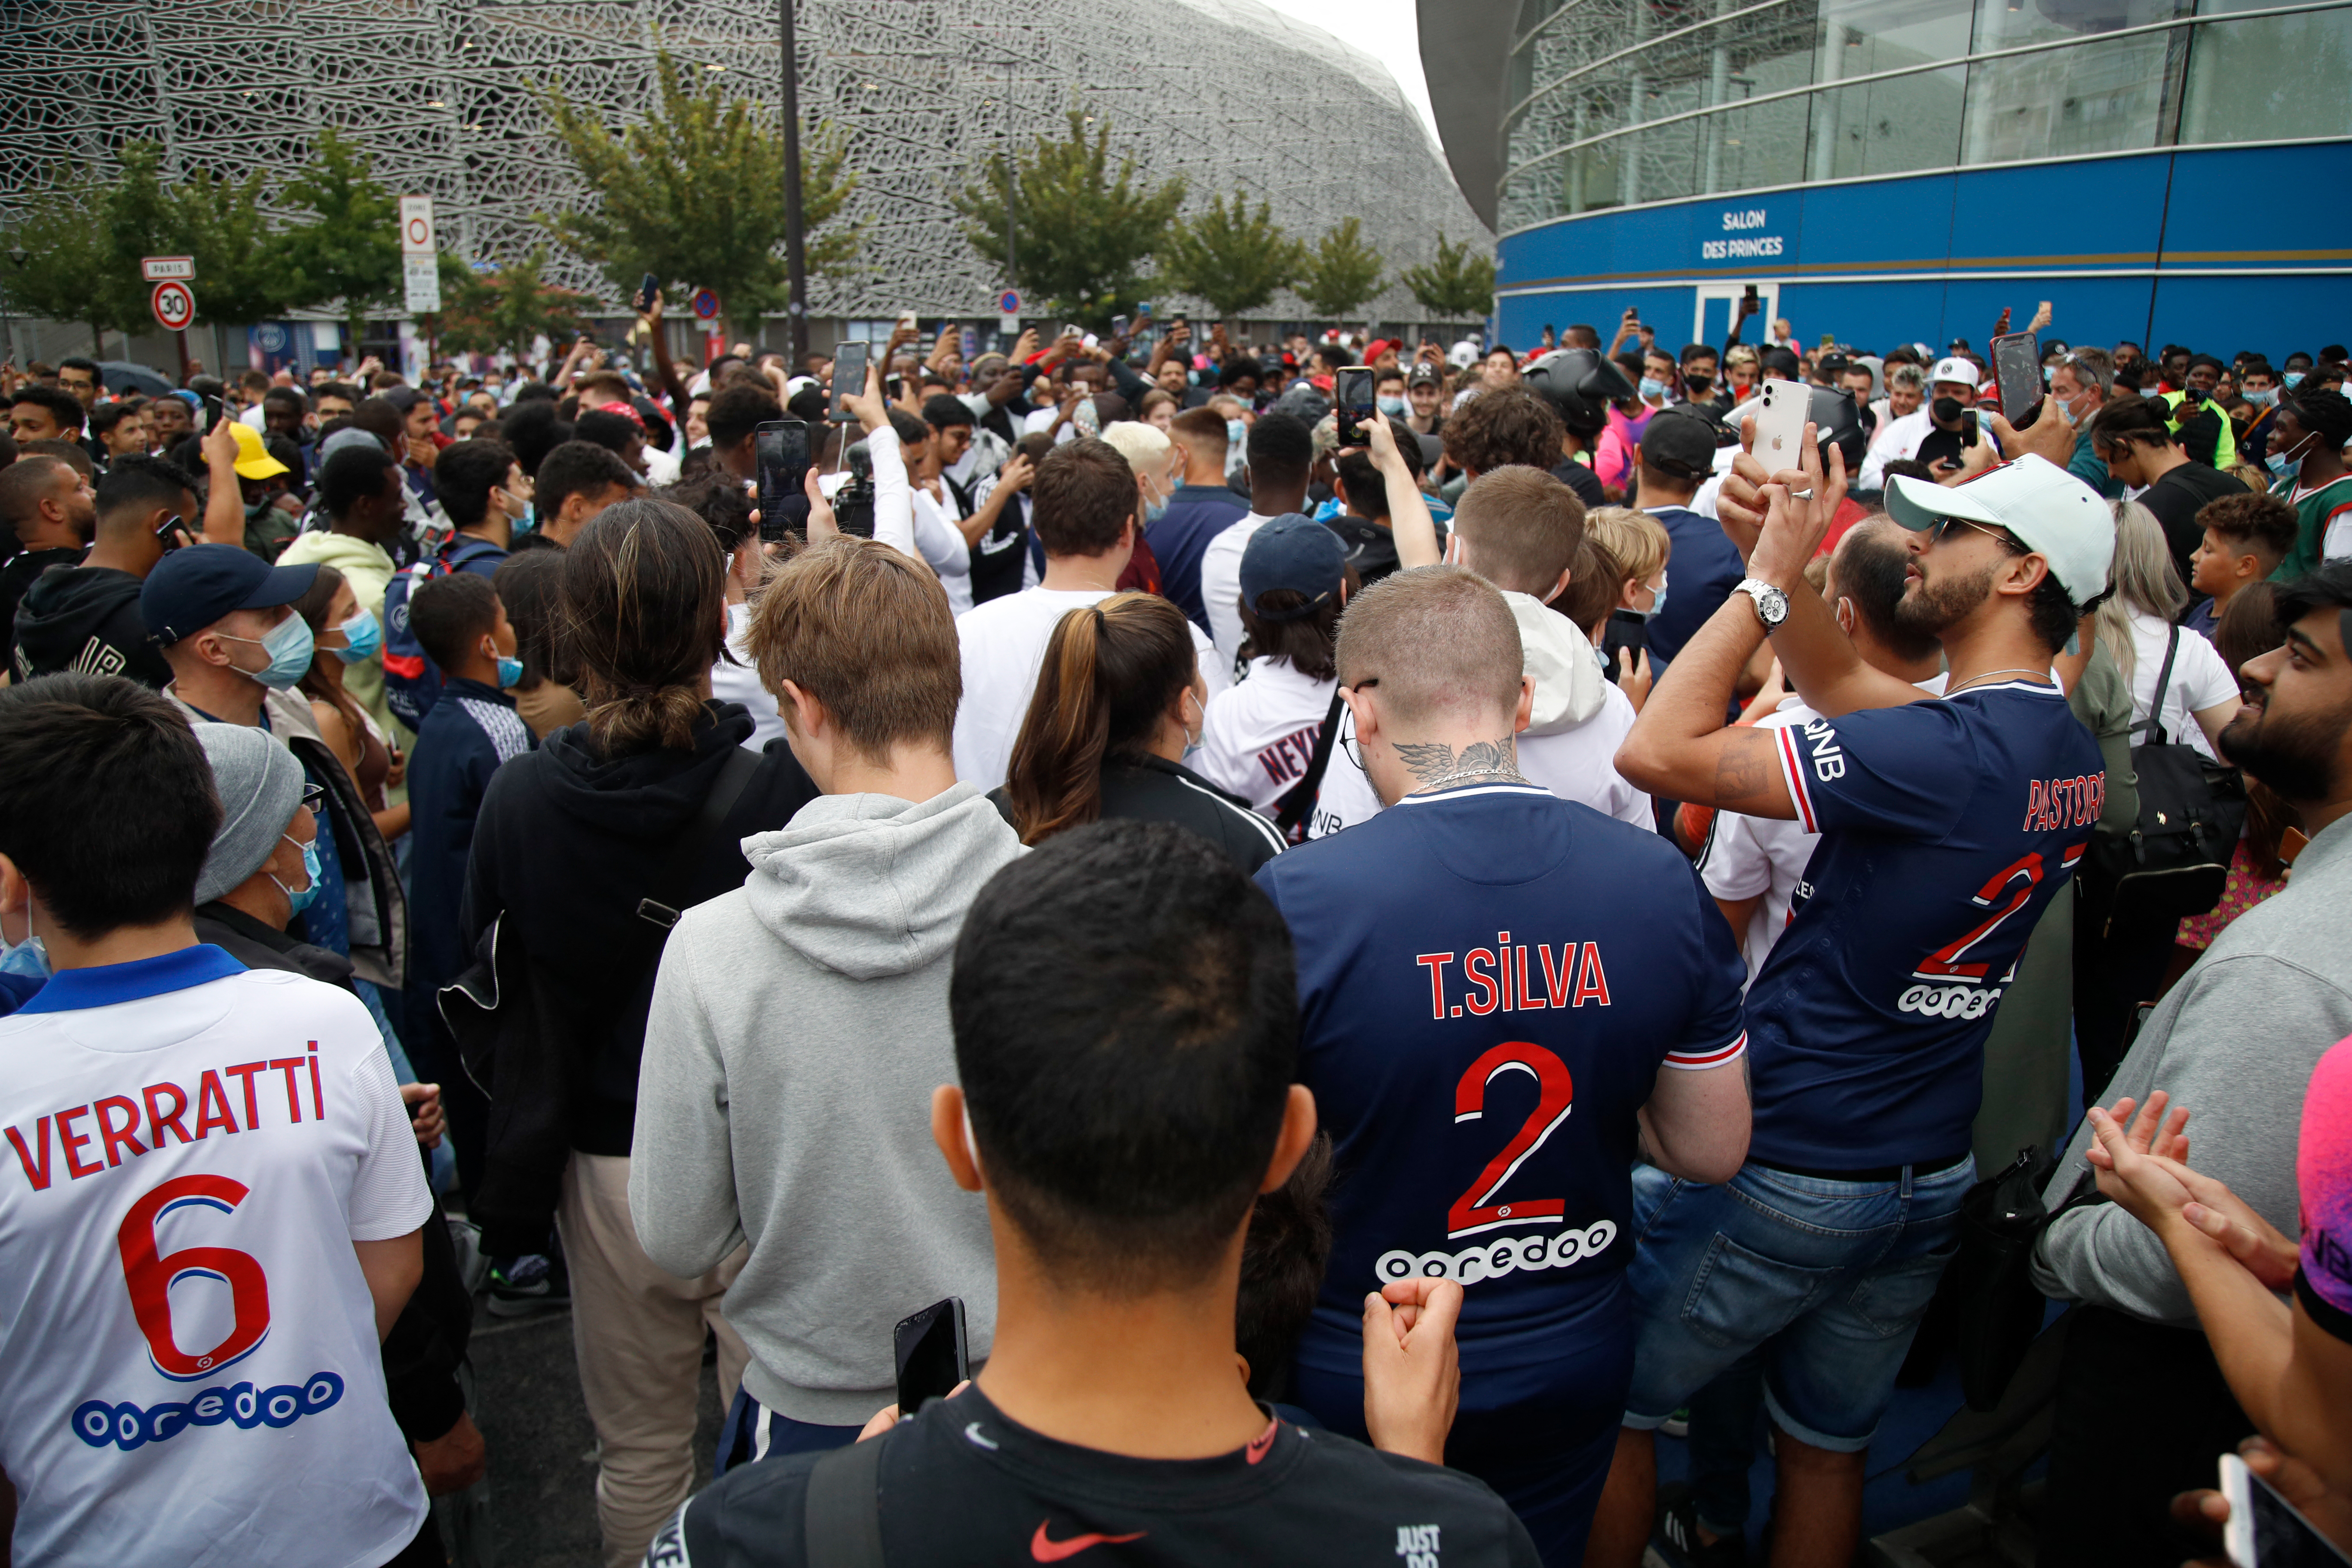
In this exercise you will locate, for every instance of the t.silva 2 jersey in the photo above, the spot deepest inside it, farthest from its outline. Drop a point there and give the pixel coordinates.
(189, 1372)
(1489, 981)
(1946, 827)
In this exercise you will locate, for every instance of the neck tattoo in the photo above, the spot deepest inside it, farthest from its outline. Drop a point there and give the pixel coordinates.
(1435, 763)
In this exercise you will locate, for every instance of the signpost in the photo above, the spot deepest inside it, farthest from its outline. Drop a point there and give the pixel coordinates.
(705, 305)
(420, 263)
(172, 301)
(1008, 313)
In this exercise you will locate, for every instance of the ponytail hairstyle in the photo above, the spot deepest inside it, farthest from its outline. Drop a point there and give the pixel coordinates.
(1110, 671)
(644, 618)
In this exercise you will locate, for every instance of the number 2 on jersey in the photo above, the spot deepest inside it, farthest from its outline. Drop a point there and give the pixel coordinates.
(1474, 1210)
(2021, 878)
(151, 1278)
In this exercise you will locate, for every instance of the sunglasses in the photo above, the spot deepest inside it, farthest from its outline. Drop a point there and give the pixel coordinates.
(1943, 527)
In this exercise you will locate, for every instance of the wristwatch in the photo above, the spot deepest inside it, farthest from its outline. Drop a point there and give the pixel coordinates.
(1771, 605)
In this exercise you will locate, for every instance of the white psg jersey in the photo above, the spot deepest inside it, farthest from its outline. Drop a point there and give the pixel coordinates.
(189, 1369)
(1258, 740)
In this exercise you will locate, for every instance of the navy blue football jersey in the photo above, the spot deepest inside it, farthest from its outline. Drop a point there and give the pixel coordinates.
(1489, 981)
(1946, 826)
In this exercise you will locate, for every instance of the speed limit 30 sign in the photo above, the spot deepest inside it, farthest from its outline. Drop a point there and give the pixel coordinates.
(174, 305)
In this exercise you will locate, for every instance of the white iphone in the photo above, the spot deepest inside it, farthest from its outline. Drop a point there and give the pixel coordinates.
(1781, 410)
(2264, 1531)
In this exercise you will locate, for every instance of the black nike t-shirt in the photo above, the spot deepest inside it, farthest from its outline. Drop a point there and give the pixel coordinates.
(962, 1484)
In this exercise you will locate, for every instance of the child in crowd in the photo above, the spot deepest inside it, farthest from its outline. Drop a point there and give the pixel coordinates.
(2246, 537)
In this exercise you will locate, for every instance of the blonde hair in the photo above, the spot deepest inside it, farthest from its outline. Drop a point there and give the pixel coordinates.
(2143, 577)
(1520, 527)
(1146, 448)
(1637, 542)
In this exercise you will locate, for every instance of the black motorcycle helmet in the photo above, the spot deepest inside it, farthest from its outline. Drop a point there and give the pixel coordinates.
(1581, 385)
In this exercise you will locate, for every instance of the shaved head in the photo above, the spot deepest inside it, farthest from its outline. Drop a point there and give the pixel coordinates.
(1442, 644)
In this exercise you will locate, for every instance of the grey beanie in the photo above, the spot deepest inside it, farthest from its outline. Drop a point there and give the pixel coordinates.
(348, 436)
(259, 784)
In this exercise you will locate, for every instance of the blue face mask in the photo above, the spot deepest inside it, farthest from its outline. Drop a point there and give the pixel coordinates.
(1658, 605)
(2291, 380)
(1652, 390)
(29, 957)
(2287, 462)
(1154, 509)
(362, 637)
(510, 671)
(1235, 432)
(1392, 406)
(289, 646)
(527, 522)
(301, 897)
(2261, 397)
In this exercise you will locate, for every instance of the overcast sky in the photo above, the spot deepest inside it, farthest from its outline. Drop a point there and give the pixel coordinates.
(1384, 29)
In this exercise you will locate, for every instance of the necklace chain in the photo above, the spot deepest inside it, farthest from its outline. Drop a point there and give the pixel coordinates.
(1988, 675)
(1470, 773)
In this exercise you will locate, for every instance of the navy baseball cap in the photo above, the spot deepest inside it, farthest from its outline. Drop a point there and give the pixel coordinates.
(190, 589)
(1297, 553)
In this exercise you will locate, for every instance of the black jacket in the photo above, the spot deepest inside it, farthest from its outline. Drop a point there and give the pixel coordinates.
(17, 575)
(427, 1343)
(1157, 790)
(568, 842)
(87, 619)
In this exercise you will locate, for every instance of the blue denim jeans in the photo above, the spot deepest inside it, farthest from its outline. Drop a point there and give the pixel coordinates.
(753, 1432)
(1827, 1279)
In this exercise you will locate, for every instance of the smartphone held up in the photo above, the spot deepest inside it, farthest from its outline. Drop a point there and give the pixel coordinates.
(782, 449)
(932, 1354)
(849, 362)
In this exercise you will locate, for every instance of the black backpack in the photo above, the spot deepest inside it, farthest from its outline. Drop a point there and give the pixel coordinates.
(2175, 860)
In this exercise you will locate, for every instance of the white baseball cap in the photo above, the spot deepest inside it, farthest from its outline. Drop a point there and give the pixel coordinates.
(1955, 369)
(2049, 510)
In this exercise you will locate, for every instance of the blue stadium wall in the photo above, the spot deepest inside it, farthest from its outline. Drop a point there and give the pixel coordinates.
(2223, 248)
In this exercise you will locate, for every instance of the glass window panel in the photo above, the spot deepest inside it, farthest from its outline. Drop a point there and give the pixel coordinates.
(1763, 145)
(2269, 78)
(2103, 95)
(1901, 124)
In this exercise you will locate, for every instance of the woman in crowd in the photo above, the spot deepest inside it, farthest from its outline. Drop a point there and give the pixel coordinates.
(718, 499)
(342, 633)
(580, 847)
(2201, 694)
(1120, 704)
(530, 586)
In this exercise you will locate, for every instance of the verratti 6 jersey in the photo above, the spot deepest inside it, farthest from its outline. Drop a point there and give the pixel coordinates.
(1946, 826)
(1489, 981)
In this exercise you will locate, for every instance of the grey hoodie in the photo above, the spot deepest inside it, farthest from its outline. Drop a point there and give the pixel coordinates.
(799, 1026)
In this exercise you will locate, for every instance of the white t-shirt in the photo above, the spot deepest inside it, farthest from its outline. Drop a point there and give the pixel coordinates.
(188, 1360)
(1221, 584)
(2200, 679)
(1580, 765)
(1258, 739)
(1749, 856)
(740, 682)
(1003, 644)
(942, 544)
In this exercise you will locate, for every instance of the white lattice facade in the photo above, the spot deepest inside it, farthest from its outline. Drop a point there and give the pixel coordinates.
(1225, 93)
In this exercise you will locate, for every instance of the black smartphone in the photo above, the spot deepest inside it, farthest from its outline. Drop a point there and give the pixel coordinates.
(168, 532)
(1351, 402)
(782, 447)
(1750, 294)
(648, 287)
(2017, 372)
(932, 1355)
(849, 361)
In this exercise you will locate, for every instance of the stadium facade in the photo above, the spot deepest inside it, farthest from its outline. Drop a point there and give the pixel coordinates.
(1889, 170)
(1225, 93)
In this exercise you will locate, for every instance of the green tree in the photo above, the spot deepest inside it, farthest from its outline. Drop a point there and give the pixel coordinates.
(1083, 235)
(1458, 286)
(482, 312)
(695, 195)
(351, 251)
(245, 270)
(1340, 272)
(1234, 260)
(83, 236)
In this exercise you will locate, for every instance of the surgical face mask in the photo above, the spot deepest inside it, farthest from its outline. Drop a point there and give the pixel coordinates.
(510, 671)
(2260, 396)
(2291, 380)
(2287, 462)
(1652, 389)
(28, 957)
(1195, 732)
(1155, 506)
(301, 897)
(289, 646)
(1235, 431)
(1394, 407)
(1948, 409)
(362, 637)
(1658, 605)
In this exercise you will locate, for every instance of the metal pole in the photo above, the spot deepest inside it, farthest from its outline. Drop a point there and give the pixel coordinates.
(1011, 182)
(795, 256)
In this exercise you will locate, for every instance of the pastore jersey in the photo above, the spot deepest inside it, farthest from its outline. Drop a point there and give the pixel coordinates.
(1946, 826)
(189, 1370)
(1489, 981)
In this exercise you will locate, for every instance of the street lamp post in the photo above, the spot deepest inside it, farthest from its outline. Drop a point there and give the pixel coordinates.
(796, 254)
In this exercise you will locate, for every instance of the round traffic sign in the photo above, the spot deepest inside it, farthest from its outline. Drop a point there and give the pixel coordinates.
(1009, 302)
(420, 232)
(173, 305)
(705, 305)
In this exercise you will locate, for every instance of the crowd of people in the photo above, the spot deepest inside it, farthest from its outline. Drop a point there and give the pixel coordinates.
(1382, 954)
